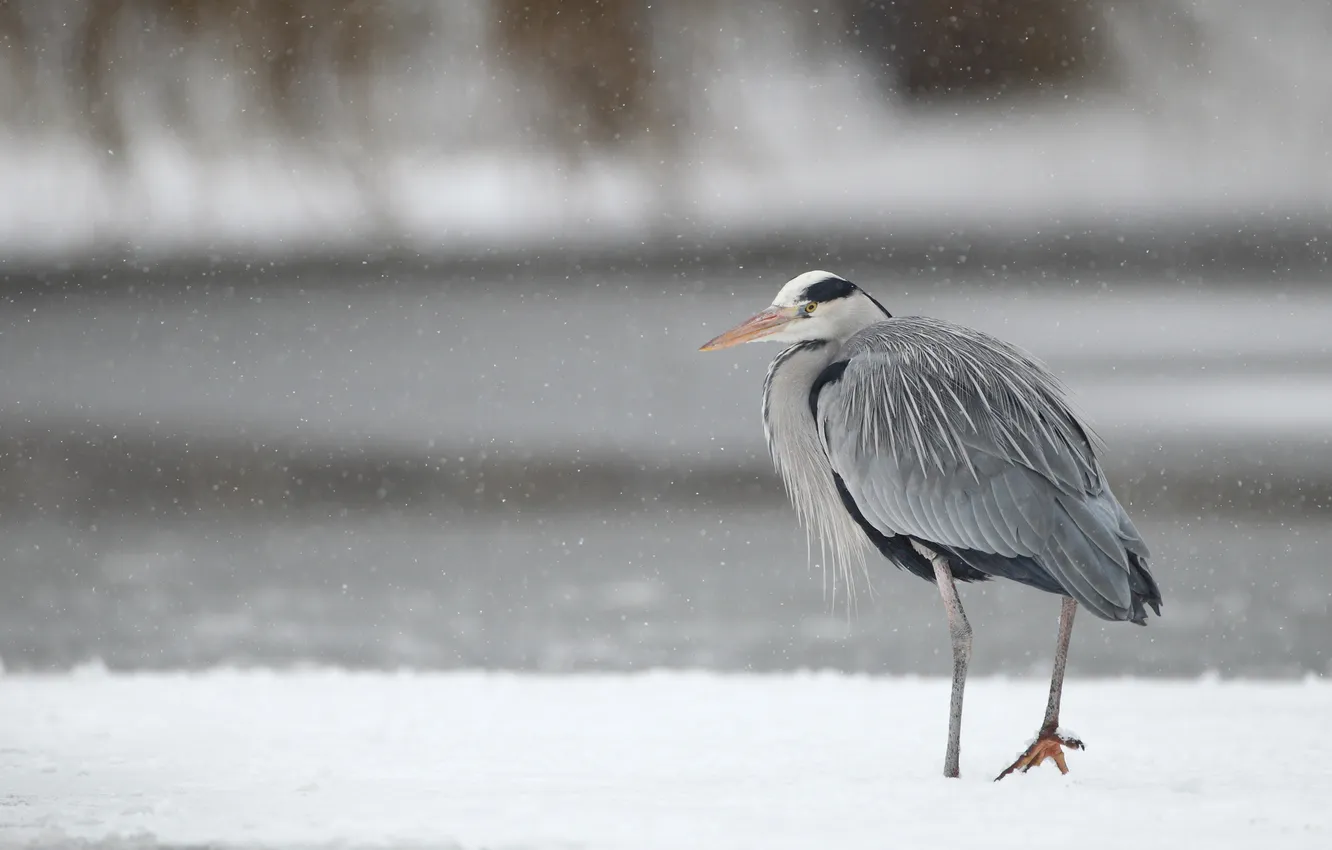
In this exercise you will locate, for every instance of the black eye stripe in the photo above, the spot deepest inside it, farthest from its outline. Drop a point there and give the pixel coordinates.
(828, 289)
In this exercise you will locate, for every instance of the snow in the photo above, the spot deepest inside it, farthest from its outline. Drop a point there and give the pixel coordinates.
(930, 177)
(471, 759)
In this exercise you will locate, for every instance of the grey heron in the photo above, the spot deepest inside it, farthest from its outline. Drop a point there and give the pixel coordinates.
(956, 456)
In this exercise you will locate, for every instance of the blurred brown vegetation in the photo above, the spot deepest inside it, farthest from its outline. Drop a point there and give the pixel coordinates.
(590, 60)
(15, 43)
(982, 47)
(279, 47)
(596, 61)
(591, 72)
(290, 60)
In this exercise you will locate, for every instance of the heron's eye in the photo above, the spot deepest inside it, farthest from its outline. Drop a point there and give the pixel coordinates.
(811, 306)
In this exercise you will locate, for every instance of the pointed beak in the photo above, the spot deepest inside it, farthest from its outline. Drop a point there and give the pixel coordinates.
(752, 328)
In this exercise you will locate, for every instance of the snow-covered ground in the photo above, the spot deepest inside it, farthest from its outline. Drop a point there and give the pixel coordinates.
(264, 759)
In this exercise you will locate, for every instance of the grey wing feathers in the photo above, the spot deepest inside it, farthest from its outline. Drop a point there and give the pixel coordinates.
(960, 441)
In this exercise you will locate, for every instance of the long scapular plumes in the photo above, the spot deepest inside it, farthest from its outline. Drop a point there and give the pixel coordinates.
(927, 388)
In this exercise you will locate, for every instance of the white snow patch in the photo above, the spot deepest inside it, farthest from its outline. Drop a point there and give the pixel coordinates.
(656, 760)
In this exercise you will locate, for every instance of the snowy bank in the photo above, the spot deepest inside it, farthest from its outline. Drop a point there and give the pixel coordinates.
(656, 760)
(778, 138)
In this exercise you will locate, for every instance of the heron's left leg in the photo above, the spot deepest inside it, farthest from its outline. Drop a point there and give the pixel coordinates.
(1050, 741)
(960, 632)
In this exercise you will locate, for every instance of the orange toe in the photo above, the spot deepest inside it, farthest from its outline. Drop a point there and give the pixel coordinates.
(1050, 745)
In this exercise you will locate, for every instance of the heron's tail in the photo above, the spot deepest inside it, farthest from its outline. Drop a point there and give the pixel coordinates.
(1098, 557)
(1142, 589)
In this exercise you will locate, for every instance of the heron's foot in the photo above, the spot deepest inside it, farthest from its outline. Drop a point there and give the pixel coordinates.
(1048, 745)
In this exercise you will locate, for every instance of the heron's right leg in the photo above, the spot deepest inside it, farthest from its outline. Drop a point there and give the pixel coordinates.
(960, 632)
(1050, 741)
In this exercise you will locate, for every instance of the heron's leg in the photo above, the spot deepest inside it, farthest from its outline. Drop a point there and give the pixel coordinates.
(1067, 609)
(960, 632)
(1049, 742)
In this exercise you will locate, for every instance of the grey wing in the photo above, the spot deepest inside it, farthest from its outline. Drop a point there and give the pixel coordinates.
(967, 475)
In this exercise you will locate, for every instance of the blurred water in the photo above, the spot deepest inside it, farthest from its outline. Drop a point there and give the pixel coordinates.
(1196, 391)
(624, 587)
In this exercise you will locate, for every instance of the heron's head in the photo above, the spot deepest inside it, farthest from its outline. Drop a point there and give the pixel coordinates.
(816, 305)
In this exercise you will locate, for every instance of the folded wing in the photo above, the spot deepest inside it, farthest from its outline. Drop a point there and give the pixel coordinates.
(954, 439)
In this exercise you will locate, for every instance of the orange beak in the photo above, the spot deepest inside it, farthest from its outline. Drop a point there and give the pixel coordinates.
(752, 328)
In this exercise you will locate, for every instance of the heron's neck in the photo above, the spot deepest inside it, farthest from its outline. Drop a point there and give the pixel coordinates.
(798, 454)
(786, 389)
(863, 312)
(798, 365)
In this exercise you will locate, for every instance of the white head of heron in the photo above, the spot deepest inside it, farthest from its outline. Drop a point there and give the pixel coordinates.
(816, 305)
